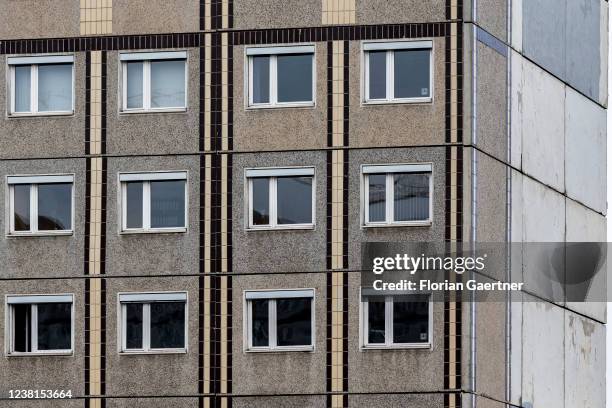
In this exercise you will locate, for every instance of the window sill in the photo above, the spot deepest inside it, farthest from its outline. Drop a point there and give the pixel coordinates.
(411, 101)
(306, 349)
(400, 225)
(39, 234)
(301, 227)
(305, 105)
(143, 112)
(152, 352)
(154, 231)
(42, 354)
(415, 346)
(40, 115)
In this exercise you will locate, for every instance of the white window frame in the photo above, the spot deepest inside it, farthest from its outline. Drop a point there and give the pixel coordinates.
(146, 298)
(33, 301)
(146, 178)
(390, 48)
(389, 344)
(34, 62)
(33, 181)
(273, 174)
(273, 53)
(146, 58)
(390, 170)
(272, 296)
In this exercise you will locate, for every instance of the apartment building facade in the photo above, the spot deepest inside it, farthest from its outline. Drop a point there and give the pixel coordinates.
(188, 185)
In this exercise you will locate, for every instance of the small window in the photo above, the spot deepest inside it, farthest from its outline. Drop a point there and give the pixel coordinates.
(154, 202)
(397, 194)
(154, 81)
(153, 322)
(41, 85)
(280, 198)
(398, 72)
(40, 324)
(396, 321)
(281, 76)
(280, 320)
(40, 204)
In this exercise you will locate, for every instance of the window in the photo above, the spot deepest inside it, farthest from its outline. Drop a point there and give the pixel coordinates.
(40, 204)
(153, 322)
(154, 81)
(281, 76)
(41, 85)
(280, 198)
(40, 324)
(154, 202)
(280, 320)
(396, 321)
(397, 194)
(398, 71)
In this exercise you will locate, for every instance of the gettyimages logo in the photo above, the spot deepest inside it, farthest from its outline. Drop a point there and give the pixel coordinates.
(558, 272)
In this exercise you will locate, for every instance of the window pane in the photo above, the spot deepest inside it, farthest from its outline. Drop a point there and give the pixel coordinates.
(412, 74)
(261, 201)
(54, 87)
(55, 206)
(294, 322)
(22, 88)
(259, 323)
(133, 329)
(167, 325)
(410, 321)
(21, 336)
(261, 79)
(377, 74)
(21, 205)
(294, 73)
(133, 204)
(377, 198)
(411, 200)
(376, 320)
(168, 84)
(294, 200)
(54, 321)
(134, 84)
(167, 204)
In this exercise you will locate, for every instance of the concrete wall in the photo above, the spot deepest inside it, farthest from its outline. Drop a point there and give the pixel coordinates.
(155, 16)
(38, 19)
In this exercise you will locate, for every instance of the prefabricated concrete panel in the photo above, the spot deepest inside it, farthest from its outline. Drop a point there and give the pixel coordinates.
(399, 11)
(491, 199)
(155, 16)
(543, 348)
(583, 53)
(274, 250)
(250, 14)
(492, 102)
(285, 372)
(44, 136)
(516, 109)
(543, 104)
(39, 19)
(152, 253)
(543, 222)
(43, 256)
(585, 225)
(492, 16)
(585, 362)
(544, 33)
(585, 151)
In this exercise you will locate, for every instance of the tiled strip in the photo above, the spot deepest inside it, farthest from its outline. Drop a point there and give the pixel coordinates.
(454, 185)
(95, 289)
(338, 11)
(96, 17)
(337, 224)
